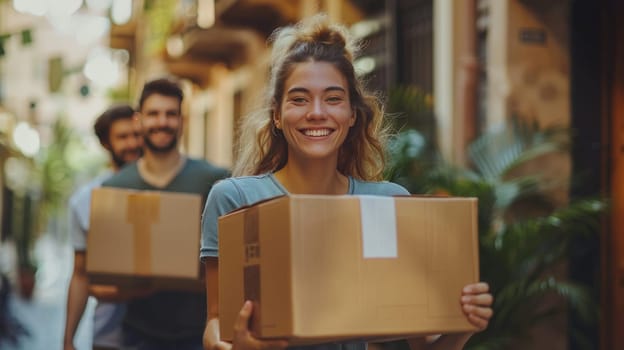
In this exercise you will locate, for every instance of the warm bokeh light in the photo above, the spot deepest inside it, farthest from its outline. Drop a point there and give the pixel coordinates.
(175, 46)
(63, 7)
(43, 7)
(86, 29)
(101, 68)
(364, 65)
(205, 13)
(99, 5)
(121, 11)
(33, 7)
(17, 173)
(26, 139)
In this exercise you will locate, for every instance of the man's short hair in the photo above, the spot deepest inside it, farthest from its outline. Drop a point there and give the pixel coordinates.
(104, 122)
(163, 86)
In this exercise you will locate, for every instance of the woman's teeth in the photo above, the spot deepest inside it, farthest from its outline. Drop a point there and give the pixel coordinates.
(316, 132)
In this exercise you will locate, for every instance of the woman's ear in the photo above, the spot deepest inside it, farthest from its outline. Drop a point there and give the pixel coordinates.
(275, 119)
(275, 115)
(353, 116)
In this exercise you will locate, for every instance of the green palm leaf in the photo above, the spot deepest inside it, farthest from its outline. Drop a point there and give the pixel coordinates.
(525, 237)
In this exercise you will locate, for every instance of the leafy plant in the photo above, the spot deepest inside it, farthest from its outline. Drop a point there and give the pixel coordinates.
(40, 196)
(413, 153)
(524, 235)
(411, 108)
(55, 174)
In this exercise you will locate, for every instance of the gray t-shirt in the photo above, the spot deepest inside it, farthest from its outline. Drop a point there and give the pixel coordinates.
(233, 193)
(230, 194)
(170, 315)
(107, 316)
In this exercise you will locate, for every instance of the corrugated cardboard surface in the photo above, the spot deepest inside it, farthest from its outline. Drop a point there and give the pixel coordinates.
(302, 260)
(144, 237)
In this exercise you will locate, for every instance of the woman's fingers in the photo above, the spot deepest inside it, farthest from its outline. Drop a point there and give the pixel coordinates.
(478, 322)
(221, 345)
(476, 288)
(476, 304)
(242, 321)
(478, 316)
(480, 299)
(243, 337)
(482, 312)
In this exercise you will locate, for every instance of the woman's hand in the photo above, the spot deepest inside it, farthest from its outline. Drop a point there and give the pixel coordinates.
(476, 302)
(243, 340)
(210, 339)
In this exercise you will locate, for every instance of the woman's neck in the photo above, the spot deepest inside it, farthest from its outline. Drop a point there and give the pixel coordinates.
(312, 178)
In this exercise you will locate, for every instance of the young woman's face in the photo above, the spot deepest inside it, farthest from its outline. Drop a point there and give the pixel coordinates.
(315, 113)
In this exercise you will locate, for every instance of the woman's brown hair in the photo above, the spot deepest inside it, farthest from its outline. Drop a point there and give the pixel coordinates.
(263, 148)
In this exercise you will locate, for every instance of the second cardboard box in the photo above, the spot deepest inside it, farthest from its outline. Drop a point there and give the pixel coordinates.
(144, 239)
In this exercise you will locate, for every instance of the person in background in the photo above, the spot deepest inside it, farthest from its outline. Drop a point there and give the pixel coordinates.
(319, 133)
(119, 135)
(165, 319)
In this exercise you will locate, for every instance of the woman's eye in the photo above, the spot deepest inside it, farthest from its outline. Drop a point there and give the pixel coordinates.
(334, 99)
(298, 99)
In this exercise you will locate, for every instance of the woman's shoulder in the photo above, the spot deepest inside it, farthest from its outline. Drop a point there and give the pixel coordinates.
(248, 189)
(250, 182)
(383, 188)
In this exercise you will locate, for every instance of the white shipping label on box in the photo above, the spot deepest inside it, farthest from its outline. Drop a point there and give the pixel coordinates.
(379, 232)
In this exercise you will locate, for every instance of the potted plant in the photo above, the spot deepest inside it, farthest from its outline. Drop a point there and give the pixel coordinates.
(524, 234)
(36, 194)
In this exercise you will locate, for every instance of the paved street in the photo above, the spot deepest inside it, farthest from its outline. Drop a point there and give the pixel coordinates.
(44, 315)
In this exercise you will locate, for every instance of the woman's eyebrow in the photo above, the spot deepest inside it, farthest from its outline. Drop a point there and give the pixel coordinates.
(335, 88)
(327, 89)
(298, 89)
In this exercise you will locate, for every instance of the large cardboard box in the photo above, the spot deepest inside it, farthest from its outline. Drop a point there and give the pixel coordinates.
(328, 268)
(144, 238)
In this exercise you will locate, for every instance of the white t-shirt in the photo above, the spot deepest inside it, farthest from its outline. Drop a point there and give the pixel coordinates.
(107, 316)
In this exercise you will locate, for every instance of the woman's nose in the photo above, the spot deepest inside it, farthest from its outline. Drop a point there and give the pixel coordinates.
(317, 110)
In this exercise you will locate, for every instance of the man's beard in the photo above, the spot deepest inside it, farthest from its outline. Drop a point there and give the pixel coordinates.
(120, 159)
(160, 149)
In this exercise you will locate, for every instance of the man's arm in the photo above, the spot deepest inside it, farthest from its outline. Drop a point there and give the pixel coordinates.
(211, 333)
(114, 294)
(76, 299)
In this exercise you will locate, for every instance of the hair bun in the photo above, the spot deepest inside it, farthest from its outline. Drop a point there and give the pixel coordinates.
(328, 36)
(320, 29)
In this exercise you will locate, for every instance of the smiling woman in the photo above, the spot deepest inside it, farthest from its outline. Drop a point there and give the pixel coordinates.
(319, 133)
(315, 114)
(314, 52)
